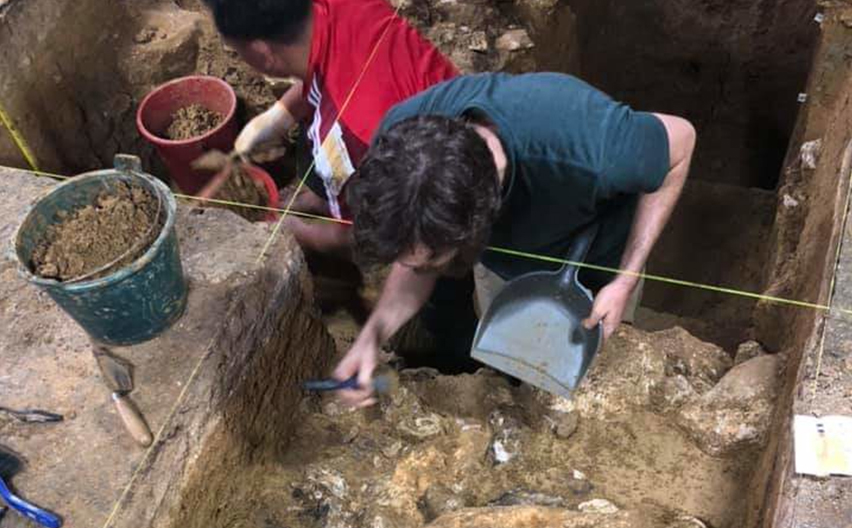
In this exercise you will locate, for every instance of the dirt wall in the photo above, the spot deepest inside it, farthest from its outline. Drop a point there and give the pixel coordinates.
(44, 86)
(73, 88)
(733, 68)
(807, 246)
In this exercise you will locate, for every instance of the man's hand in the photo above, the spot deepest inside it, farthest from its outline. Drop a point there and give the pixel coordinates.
(404, 293)
(361, 360)
(609, 306)
(271, 124)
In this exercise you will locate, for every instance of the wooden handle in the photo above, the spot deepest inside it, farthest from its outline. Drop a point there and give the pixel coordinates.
(133, 421)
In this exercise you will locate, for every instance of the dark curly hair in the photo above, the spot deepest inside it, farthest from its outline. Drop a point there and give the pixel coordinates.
(430, 180)
(279, 20)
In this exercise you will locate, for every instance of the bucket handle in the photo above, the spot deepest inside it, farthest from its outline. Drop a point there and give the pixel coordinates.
(577, 253)
(127, 163)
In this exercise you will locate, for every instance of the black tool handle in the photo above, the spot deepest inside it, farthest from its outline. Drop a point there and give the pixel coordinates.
(381, 383)
(577, 254)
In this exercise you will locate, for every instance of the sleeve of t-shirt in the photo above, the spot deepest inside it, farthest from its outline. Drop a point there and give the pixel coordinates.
(638, 160)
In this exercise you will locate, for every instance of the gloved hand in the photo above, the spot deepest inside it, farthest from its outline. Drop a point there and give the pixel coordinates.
(273, 123)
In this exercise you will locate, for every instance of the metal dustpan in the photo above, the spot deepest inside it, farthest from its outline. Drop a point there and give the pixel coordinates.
(533, 328)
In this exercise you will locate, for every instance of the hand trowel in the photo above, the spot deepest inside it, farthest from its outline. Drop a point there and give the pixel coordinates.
(118, 376)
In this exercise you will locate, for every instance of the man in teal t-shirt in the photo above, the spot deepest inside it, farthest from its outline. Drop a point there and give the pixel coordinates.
(520, 162)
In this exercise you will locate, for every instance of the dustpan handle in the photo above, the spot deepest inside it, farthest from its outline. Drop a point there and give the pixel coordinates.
(577, 253)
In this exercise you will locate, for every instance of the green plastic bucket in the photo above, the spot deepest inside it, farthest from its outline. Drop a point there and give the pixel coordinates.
(132, 303)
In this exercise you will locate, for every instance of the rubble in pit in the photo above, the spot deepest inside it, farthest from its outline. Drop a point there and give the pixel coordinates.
(479, 450)
(480, 36)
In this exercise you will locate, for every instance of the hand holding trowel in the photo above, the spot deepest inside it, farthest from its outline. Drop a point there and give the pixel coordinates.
(118, 376)
(223, 164)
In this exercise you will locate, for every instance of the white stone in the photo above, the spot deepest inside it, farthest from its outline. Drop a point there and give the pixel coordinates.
(598, 506)
(514, 40)
(809, 153)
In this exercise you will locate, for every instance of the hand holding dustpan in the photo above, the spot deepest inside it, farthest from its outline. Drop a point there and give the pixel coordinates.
(533, 328)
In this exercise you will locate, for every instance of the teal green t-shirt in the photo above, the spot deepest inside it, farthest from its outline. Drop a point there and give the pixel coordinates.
(575, 156)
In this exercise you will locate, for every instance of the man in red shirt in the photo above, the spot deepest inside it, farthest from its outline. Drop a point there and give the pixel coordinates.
(355, 59)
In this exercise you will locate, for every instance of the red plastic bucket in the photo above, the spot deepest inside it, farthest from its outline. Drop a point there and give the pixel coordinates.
(260, 175)
(154, 116)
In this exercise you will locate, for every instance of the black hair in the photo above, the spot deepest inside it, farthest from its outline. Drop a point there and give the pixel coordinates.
(279, 20)
(430, 180)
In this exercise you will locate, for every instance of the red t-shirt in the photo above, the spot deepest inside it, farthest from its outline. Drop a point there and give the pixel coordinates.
(345, 34)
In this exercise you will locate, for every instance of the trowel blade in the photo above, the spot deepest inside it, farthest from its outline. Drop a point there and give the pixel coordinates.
(116, 372)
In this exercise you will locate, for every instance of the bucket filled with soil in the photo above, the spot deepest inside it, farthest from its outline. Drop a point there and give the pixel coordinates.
(183, 119)
(103, 246)
(238, 186)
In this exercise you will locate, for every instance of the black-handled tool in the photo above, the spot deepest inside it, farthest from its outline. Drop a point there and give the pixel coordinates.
(382, 384)
(31, 415)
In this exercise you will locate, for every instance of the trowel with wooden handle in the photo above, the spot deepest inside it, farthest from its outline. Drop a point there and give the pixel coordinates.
(222, 164)
(118, 376)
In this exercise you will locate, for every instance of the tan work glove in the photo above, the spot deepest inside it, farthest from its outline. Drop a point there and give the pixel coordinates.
(272, 124)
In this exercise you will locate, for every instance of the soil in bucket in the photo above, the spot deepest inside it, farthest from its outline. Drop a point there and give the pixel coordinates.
(119, 225)
(240, 188)
(192, 121)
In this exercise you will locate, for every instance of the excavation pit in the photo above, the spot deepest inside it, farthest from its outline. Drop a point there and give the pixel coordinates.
(637, 447)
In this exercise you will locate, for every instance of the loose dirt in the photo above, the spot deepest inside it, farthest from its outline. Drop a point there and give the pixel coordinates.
(119, 221)
(242, 189)
(192, 121)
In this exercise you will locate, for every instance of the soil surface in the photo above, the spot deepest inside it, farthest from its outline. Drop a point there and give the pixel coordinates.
(241, 188)
(120, 221)
(478, 443)
(192, 121)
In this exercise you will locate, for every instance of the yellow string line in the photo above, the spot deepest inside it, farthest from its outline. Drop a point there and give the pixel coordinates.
(669, 280)
(18, 139)
(554, 260)
(140, 467)
(343, 107)
(212, 200)
(544, 258)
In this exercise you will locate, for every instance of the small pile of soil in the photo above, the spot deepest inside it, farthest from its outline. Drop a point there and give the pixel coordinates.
(241, 188)
(95, 235)
(192, 121)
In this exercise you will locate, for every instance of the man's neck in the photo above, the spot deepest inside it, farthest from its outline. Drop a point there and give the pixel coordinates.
(491, 138)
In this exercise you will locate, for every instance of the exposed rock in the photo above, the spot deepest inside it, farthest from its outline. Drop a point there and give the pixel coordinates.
(673, 392)
(468, 31)
(478, 41)
(323, 496)
(702, 364)
(686, 521)
(506, 443)
(528, 498)
(420, 427)
(809, 153)
(621, 377)
(438, 500)
(565, 424)
(635, 366)
(748, 350)
(737, 412)
(392, 449)
(598, 506)
(529, 516)
(166, 47)
(514, 40)
(579, 484)
(659, 371)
